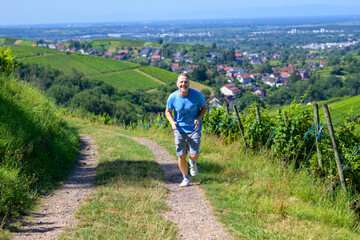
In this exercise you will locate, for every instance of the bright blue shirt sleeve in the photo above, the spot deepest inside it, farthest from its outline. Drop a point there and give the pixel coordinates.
(186, 109)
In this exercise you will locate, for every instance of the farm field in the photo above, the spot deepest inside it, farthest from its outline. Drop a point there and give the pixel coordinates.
(162, 75)
(28, 51)
(112, 44)
(88, 65)
(168, 77)
(130, 80)
(343, 108)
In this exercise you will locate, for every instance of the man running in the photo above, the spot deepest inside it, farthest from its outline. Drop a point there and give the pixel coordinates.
(189, 108)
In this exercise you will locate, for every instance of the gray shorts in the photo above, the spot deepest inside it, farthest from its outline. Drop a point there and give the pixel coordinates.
(185, 142)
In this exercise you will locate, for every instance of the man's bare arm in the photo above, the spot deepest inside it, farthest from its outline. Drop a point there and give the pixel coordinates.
(168, 114)
(200, 116)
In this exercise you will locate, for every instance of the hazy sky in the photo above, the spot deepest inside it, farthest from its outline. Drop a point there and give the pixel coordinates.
(84, 11)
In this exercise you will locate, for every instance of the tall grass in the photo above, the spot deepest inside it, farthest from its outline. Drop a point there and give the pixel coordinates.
(37, 147)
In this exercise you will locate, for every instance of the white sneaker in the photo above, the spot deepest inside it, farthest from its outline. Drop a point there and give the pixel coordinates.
(193, 169)
(185, 183)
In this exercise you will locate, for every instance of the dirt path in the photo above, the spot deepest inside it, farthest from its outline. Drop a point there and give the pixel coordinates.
(56, 211)
(190, 210)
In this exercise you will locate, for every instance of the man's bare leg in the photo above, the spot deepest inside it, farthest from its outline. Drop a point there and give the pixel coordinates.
(194, 157)
(183, 165)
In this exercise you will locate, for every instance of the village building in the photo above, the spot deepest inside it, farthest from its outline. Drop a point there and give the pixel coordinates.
(215, 102)
(230, 90)
(155, 57)
(145, 51)
(244, 78)
(229, 100)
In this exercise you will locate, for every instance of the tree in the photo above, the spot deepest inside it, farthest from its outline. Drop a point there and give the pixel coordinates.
(199, 73)
(230, 57)
(294, 77)
(247, 99)
(333, 60)
(206, 93)
(7, 63)
(352, 83)
(160, 41)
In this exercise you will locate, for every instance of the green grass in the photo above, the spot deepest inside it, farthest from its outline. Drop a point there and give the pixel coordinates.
(161, 74)
(27, 43)
(168, 77)
(112, 43)
(342, 109)
(129, 194)
(127, 80)
(37, 147)
(9, 41)
(89, 65)
(28, 51)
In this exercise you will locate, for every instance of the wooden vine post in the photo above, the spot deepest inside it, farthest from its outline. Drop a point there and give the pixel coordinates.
(257, 111)
(227, 109)
(316, 122)
(286, 119)
(240, 125)
(336, 152)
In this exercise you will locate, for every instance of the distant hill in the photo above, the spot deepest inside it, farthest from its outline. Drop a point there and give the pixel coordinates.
(15, 41)
(111, 44)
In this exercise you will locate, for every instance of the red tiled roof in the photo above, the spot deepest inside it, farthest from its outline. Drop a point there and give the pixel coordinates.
(284, 74)
(245, 75)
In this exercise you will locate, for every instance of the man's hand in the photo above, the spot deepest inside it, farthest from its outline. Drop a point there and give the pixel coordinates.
(196, 122)
(173, 125)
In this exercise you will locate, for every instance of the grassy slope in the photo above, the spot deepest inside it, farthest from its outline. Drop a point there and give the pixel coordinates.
(112, 44)
(127, 80)
(37, 147)
(167, 77)
(88, 65)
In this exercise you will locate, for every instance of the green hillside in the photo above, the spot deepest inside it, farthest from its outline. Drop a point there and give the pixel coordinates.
(88, 65)
(168, 77)
(130, 80)
(345, 108)
(17, 41)
(27, 51)
(37, 147)
(111, 44)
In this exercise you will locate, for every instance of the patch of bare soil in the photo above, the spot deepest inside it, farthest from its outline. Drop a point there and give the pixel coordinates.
(56, 211)
(191, 211)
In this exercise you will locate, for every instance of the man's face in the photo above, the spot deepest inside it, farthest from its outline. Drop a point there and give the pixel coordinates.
(183, 84)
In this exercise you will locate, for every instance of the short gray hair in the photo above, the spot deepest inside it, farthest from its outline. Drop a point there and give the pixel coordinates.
(183, 75)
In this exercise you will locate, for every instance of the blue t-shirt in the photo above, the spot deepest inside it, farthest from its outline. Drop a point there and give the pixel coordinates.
(186, 109)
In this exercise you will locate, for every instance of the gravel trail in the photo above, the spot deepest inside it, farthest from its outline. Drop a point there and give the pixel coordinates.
(56, 211)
